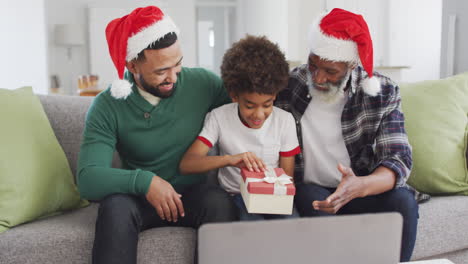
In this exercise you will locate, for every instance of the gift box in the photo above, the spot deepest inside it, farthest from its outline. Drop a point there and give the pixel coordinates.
(270, 192)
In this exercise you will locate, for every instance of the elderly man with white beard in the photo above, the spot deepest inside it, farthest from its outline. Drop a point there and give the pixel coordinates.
(356, 156)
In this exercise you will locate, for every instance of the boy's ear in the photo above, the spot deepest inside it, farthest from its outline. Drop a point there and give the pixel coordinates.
(234, 97)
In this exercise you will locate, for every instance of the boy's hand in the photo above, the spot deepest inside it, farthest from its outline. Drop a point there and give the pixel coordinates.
(249, 160)
(165, 199)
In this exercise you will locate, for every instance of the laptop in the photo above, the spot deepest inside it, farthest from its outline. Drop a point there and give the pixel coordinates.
(343, 239)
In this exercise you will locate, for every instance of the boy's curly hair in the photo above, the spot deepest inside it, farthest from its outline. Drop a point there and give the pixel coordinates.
(254, 65)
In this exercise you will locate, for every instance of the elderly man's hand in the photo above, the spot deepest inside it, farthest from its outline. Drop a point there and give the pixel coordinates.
(349, 188)
(165, 199)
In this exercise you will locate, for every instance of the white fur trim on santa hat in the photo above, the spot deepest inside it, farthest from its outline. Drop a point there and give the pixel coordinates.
(330, 48)
(120, 89)
(371, 86)
(148, 35)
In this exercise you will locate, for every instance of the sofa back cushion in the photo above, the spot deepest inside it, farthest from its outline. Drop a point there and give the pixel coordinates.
(436, 114)
(67, 117)
(35, 178)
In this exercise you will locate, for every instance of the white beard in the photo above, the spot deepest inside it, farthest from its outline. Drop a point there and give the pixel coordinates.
(333, 93)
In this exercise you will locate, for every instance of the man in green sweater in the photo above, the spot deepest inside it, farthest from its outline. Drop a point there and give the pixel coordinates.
(150, 116)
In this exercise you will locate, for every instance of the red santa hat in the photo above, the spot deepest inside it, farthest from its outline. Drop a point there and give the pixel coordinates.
(344, 36)
(129, 35)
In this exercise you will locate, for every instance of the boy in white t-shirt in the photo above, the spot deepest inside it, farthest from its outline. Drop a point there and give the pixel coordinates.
(250, 132)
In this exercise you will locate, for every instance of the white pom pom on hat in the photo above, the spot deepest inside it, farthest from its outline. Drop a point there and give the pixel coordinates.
(120, 89)
(129, 35)
(344, 36)
(371, 86)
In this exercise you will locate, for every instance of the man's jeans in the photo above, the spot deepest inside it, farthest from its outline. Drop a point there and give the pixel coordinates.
(397, 200)
(122, 217)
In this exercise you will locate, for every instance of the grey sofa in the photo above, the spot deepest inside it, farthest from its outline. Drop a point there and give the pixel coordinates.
(68, 238)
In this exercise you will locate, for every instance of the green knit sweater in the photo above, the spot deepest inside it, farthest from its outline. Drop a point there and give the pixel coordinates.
(150, 139)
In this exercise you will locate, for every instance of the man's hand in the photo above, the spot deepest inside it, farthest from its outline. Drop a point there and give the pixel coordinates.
(165, 199)
(349, 188)
(249, 160)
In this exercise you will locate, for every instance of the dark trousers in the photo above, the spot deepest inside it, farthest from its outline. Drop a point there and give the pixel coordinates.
(397, 200)
(122, 217)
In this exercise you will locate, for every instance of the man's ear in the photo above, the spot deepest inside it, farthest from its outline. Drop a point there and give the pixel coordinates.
(234, 97)
(131, 66)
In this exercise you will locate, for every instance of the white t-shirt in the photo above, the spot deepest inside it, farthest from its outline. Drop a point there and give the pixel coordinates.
(323, 143)
(276, 137)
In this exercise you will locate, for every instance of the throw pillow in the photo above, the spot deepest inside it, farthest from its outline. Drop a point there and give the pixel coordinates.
(35, 178)
(436, 120)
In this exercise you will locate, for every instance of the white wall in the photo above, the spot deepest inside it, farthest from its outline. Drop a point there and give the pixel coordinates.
(285, 22)
(460, 9)
(265, 17)
(218, 16)
(66, 12)
(23, 45)
(423, 44)
(301, 15)
(76, 12)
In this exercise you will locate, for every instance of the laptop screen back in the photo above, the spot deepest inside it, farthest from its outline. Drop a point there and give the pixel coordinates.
(362, 239)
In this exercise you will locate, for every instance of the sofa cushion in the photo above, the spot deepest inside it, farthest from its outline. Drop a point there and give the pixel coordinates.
(67, 117)
(35, 178)
(436, 115)
(68, 238)
(442, 226)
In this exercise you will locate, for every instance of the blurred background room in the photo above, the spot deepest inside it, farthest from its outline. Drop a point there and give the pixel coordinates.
(59, 46)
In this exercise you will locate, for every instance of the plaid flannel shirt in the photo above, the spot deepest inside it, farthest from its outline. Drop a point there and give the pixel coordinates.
(373, 127)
